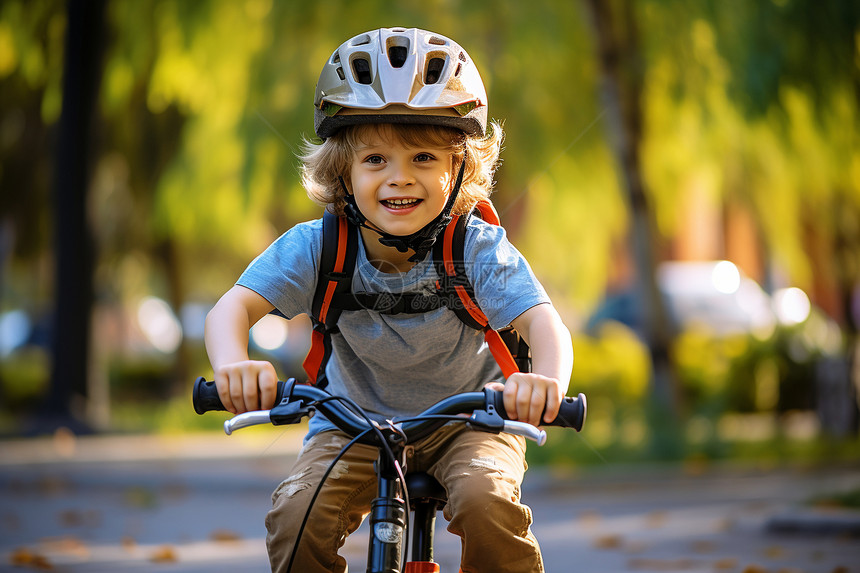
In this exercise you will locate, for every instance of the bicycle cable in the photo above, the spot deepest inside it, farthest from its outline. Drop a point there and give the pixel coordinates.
(328, 470)
(374, 427)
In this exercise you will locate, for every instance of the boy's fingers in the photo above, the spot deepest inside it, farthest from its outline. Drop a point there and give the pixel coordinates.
(553, 403)
(238, 381)
(236, 394)
(268, 388)
(526, 403)
(494, 386)
(537, 407)
(510, 398)
(222, 382)
(250, 391)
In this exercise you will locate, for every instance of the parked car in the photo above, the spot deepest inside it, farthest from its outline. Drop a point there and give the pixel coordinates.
(709, 294)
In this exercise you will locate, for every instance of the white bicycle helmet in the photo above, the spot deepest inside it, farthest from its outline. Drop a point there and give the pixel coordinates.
(400, 75)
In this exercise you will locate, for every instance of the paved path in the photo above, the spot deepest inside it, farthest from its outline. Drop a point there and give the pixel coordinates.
(144, 503)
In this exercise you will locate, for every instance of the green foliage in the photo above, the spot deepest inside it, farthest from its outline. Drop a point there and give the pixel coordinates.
(846, 499)
(173, 415)
(23, 379)
(203, 106)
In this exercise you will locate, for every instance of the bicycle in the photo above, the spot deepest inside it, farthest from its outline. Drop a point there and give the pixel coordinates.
(389, 523)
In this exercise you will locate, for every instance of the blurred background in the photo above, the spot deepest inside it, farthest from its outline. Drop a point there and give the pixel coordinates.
(684, 177)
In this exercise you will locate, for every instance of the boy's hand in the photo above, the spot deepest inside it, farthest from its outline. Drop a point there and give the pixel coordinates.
(247, 385)
(527, 394)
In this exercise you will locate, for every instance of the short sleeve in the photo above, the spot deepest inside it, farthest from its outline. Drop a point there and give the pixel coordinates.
(504, 284)
(285, 273)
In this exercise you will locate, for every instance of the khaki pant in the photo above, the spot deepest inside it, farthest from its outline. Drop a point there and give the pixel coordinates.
(482, 473)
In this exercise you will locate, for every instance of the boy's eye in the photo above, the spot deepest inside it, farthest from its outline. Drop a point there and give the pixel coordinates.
(374, 159)
(423, 157)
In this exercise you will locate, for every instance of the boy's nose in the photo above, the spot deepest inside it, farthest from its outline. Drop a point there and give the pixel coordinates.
(401, 176)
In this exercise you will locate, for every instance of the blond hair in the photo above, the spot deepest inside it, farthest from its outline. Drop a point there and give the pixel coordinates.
(323, 163)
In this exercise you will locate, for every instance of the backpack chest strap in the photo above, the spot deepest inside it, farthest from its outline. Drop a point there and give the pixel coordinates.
(389, 303)
(334, 294)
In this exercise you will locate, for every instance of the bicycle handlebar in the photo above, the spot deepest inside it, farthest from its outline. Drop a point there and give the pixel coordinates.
(295, 401)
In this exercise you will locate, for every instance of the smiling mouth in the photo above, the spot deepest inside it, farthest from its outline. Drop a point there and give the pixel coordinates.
(400, 203)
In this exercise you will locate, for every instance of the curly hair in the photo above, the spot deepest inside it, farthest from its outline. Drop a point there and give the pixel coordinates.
(323, 163)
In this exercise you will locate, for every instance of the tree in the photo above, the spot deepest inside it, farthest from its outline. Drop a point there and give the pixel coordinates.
(623, 76)
(73, 236)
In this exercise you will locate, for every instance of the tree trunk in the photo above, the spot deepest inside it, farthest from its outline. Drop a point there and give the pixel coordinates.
(622, 71)
(73, 239)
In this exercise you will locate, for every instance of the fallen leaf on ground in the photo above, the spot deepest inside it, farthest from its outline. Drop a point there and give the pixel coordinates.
(69, 545)
(224, 535)
(703, 546)
(24, 557)
(657, 518)
(755, 569)
(636, 547)
(589, 517)
(80, 518)
(662, 564)
(141, 498)
(164, 554)
(726, 563)
(53, 486)
(774, 552)
(608, 542)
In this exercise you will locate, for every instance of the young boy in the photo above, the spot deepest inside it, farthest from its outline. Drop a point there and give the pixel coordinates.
(403, 116)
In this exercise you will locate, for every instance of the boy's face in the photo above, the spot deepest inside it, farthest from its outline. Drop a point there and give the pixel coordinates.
(398, 188)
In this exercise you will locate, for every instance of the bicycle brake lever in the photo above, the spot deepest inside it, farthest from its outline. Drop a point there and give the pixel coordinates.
(490, 421)
(247, 419)
(526, 430)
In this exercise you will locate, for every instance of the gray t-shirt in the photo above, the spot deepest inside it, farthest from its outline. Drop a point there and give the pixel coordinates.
(399, 365)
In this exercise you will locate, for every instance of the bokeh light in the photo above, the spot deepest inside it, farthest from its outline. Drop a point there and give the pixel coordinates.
(159, 324)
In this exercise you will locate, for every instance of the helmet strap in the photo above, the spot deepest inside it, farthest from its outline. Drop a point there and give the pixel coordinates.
(420, 241)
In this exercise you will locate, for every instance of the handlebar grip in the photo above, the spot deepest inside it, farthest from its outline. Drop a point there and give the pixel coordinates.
(571, 413)
(205, 396)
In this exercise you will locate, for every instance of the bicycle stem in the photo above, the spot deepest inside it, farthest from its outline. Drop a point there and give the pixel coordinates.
(387, 515)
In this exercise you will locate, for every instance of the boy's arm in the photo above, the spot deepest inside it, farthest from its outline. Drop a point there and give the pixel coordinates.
(526, 394)
(243, 384)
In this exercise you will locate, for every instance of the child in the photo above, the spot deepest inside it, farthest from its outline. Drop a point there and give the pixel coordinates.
(403, 115)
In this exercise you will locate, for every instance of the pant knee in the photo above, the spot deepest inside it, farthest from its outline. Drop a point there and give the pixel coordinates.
(488, 506)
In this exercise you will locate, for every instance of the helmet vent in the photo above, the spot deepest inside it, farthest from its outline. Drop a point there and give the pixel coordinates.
(340, 73)
(434, 70)
(362, 40)
(361, 70)
(462, 61)
(437, 41)
(397, 55)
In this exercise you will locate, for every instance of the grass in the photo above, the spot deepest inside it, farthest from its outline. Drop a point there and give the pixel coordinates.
(845, 500)
(566, 448)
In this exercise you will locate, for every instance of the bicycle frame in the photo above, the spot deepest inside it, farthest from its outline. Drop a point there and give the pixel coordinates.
(389, 510)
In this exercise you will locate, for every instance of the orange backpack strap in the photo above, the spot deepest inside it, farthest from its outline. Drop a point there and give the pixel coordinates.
(507, 346)
(488, 212)
(334, 290)
(337, 263)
